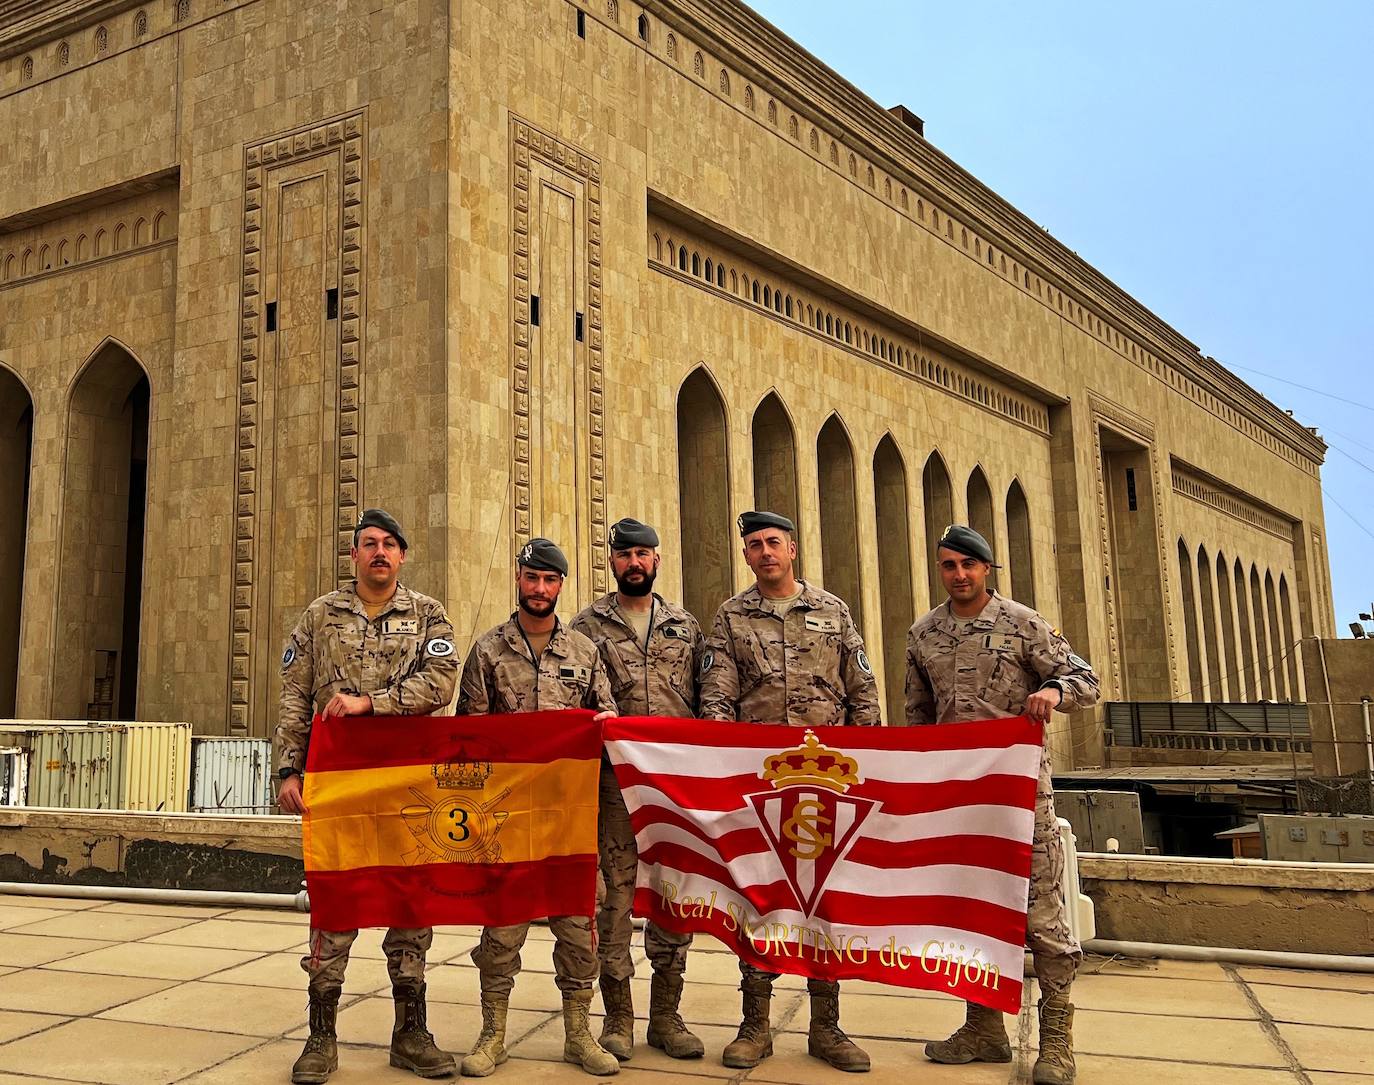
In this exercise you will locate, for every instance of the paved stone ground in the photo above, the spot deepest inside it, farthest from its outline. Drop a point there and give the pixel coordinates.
(130, 994)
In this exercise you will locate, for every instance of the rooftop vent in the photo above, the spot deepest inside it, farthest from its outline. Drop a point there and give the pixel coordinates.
(909, 119)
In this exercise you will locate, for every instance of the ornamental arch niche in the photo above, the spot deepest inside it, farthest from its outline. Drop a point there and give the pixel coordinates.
(100, 562)
(1020, 560)
(775, 461)
(981, 516)
(938, 497)
(704, 496)
(839, 515)
(16, 458)
(896, 593)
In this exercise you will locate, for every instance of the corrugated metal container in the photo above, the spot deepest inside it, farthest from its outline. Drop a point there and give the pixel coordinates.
(14, 775)
(233, 775)
(115, 766)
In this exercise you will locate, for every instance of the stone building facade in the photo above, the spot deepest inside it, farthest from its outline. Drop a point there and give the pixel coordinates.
(525, 268)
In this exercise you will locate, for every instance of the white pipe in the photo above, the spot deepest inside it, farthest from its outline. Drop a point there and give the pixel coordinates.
(1219, 861)
(298, 901)
(1368, 743)
(1322, 962)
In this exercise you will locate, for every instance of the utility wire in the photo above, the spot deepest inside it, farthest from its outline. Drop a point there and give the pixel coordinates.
(1306, 388)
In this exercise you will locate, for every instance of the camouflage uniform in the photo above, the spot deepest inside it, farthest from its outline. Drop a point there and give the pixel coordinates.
(404, 660)
(500, 677)
(987, 669)
(808, 669)
(654, 680)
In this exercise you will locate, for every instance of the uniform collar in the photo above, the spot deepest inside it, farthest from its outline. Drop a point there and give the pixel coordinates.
(754, 599)
(347, 598)
(608, 606)
(987, 616)
(514, 636)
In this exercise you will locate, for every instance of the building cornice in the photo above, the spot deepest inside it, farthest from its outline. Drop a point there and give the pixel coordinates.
(772, 60)
(26, 24)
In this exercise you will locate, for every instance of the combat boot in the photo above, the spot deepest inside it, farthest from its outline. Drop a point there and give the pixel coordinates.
(754, 1042)
(618, 1030)
(1055, 1064)
(578, 1046)
(412, 1047)
(981, 1038)
(667, 1031)
(825, 1039)
(321, 1055)
(489, 1051)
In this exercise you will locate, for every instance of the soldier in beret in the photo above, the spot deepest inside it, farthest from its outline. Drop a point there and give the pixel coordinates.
(980, 656)
(652, 650)
(784, 651)
(529, 663)
(374, 647)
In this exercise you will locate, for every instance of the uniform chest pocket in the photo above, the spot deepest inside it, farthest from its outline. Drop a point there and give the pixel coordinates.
(1002, 679)
(618, 670)
(574, 679)
(752, 662)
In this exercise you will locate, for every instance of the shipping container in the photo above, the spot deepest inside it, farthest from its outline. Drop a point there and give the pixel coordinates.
(233, 775)
(111, 766)
(14, 774)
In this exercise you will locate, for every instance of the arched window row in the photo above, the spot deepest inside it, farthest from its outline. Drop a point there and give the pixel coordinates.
(748, 284)
(89, 242)
(1240, 635)
(996, 257)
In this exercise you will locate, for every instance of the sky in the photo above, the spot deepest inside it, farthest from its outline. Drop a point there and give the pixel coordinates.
(1214, 159)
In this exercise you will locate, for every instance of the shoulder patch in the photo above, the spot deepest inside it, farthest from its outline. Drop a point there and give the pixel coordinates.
(708, 661)
(1079, 662)
(861, 658)
(439, 647)
(288, 657)
(1055, 633)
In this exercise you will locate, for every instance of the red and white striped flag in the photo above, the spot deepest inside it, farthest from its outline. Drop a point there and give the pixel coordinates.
(900, 855)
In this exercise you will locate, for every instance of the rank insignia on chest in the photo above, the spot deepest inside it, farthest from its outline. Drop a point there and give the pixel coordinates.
(676, 632)
(401, 625)
(820, 624)
(1001, 642)
(574, 674)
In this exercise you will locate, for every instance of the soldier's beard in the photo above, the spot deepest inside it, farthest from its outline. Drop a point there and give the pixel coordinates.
(538, 608)
(636, 589)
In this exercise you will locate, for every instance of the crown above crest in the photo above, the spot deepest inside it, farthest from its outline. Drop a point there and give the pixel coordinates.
(461, 774)
(811, 763)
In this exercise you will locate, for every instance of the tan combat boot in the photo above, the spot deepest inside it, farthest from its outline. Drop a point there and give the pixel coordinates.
(667, 1031)
(825, 1039)
(321, 1055)
(578, 1046)
(754, 1042)
(489, 1051)
(618, 1030)
(981, 1038)
(412, 1047)
(1055, 1064)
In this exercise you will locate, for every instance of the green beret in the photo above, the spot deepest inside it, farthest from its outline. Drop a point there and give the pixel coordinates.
(626, 534)
(964, 540)
(543, 555)
(382, 519)
(749, 522)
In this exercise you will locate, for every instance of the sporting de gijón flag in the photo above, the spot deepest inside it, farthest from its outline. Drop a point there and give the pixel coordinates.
(900, 855)
(423, 821)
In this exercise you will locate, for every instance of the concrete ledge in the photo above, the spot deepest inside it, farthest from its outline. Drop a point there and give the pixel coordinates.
(157, 851)
(1250, 904)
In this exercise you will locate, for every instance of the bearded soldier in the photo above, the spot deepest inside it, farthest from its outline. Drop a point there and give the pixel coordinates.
(530, 663)
(784, 651)
(651, 649)
(374, 647)
(980, 656)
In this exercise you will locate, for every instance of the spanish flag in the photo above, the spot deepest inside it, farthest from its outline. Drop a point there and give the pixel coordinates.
(422, 821)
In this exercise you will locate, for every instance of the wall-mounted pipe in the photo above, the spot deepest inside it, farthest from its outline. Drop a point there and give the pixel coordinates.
(298, 901)
(1263, 958)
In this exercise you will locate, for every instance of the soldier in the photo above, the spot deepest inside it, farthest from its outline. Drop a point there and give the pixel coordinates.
(375, 648)
(652, 650)
(532, 662)
(786, 652)
(980, 656)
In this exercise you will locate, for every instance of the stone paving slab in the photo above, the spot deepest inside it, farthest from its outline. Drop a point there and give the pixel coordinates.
(116, 995)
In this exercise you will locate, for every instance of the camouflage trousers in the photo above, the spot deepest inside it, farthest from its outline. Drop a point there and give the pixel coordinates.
(497, 955)
(667, 950)
(816, 987)
(405, 949)
(1054, 950)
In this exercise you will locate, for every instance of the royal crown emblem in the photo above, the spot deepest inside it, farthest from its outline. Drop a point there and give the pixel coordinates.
(461, 774)
(809, 819)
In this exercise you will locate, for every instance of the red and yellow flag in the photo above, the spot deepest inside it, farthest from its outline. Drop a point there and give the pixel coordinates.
(421, 821)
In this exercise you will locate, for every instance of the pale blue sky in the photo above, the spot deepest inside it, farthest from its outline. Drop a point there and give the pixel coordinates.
(1214, 159)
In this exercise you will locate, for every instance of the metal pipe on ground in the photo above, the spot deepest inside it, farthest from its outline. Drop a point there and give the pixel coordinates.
(299, 902)
(1319, 962)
